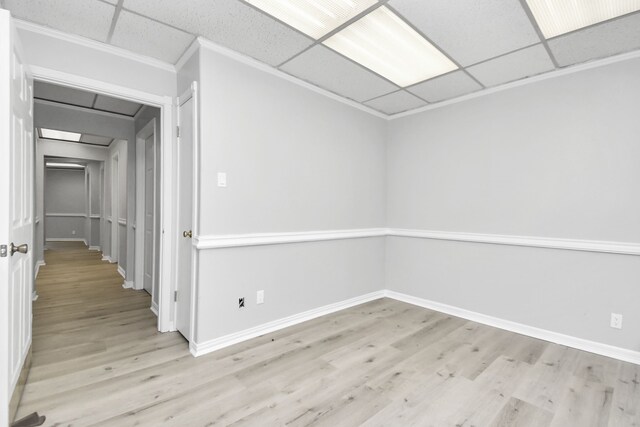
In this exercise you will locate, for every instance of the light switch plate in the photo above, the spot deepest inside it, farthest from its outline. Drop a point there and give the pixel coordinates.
(222, 179)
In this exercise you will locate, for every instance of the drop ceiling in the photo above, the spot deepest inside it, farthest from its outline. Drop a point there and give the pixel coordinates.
(486, 43)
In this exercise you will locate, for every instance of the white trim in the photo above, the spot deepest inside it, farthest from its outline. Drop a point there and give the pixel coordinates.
(154, 308)
(519, 328)
(94, 248)
(94, 216)
(128, 284)
(122, 221)
(109, 219)
(121, 271)
(74, 215)
(108, 259)
(623, 248)
(198, 349)
(540, 77)
(34, 296)
(187, 54)
(36, 220)
(92, 44)
(65, 239)
(257, 239)
(208, 44)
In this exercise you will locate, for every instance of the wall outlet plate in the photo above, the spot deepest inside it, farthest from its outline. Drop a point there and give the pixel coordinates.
(241, 302)
(260, 297)
(616, 320)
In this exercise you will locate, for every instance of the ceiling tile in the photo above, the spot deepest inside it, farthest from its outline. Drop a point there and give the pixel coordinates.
(448, 86)
(116, 105)
(229, 23)
(327, 69)
(396, 102)
(65, 95)
(471, 31)
(606, 39)
(149, 37)
(87, 18)
(94, 139)
(513, 66)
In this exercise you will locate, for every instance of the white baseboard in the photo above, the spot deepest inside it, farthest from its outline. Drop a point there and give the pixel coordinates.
(122, 272)
(128, 284)
(154, 308)
(108, 259)
(619, 353)
(94, 248)
(66, 239)
(34, 296)
(198, 349)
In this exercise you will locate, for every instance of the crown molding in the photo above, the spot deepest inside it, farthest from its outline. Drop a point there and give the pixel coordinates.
(93, 44)
(254, 63)
(523, 82)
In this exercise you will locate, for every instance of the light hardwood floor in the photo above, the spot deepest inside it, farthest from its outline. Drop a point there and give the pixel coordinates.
(98, 360)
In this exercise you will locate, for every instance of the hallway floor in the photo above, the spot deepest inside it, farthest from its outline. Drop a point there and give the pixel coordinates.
(98, 360)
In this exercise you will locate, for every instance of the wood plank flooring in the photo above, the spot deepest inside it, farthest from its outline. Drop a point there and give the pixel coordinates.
(98, 360)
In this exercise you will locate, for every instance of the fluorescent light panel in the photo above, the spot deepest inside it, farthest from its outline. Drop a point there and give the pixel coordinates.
(562, 16)
(384, 43)
(59, 134)
(64, 165)
(315, 18)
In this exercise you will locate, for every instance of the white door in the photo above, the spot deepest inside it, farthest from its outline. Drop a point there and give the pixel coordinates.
(149, 213)
(187, 124)
(16, 213)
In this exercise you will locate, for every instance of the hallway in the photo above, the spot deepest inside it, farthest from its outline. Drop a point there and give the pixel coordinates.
(87, 331)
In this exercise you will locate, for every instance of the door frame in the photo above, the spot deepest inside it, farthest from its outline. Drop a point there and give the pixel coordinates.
(166, 285)
(114, 250)
(141, 137)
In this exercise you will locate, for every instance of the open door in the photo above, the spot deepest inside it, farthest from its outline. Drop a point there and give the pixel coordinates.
(187, 225)
(16, 217)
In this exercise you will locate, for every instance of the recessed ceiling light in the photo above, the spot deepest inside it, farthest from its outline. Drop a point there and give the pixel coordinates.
(59, 134)
(315, 18)
(561, 16)
(384, 43)
(64, 165)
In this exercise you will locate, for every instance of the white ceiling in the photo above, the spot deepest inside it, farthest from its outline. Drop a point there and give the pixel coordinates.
(492, 41)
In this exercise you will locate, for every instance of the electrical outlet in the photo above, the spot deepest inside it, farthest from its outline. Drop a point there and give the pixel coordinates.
(616, 320)
(222, 179)
(260, 297)
(241, 302)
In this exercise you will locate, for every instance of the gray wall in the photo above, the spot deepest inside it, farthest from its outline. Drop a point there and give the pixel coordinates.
(296, 161)
(65, 194)
(557, 158)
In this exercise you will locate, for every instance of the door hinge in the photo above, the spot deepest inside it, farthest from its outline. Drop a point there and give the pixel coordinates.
(3, 251)
(178, 131)
(175, 296)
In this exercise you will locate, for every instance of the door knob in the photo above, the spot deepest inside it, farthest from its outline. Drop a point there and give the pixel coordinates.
(23, 249)
(187, 234)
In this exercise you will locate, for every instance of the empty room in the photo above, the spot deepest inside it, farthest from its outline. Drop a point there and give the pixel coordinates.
(320, 213)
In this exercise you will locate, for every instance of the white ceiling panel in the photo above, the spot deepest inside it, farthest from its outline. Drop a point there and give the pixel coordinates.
(229, 23)
(327, 69)
(513, 66)
(471, 31)
(606, 39)
(116, 105)
(149, 37)
(396, 102)
(65, 95)
(97, 140)
(448, 86)
(88, 18)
